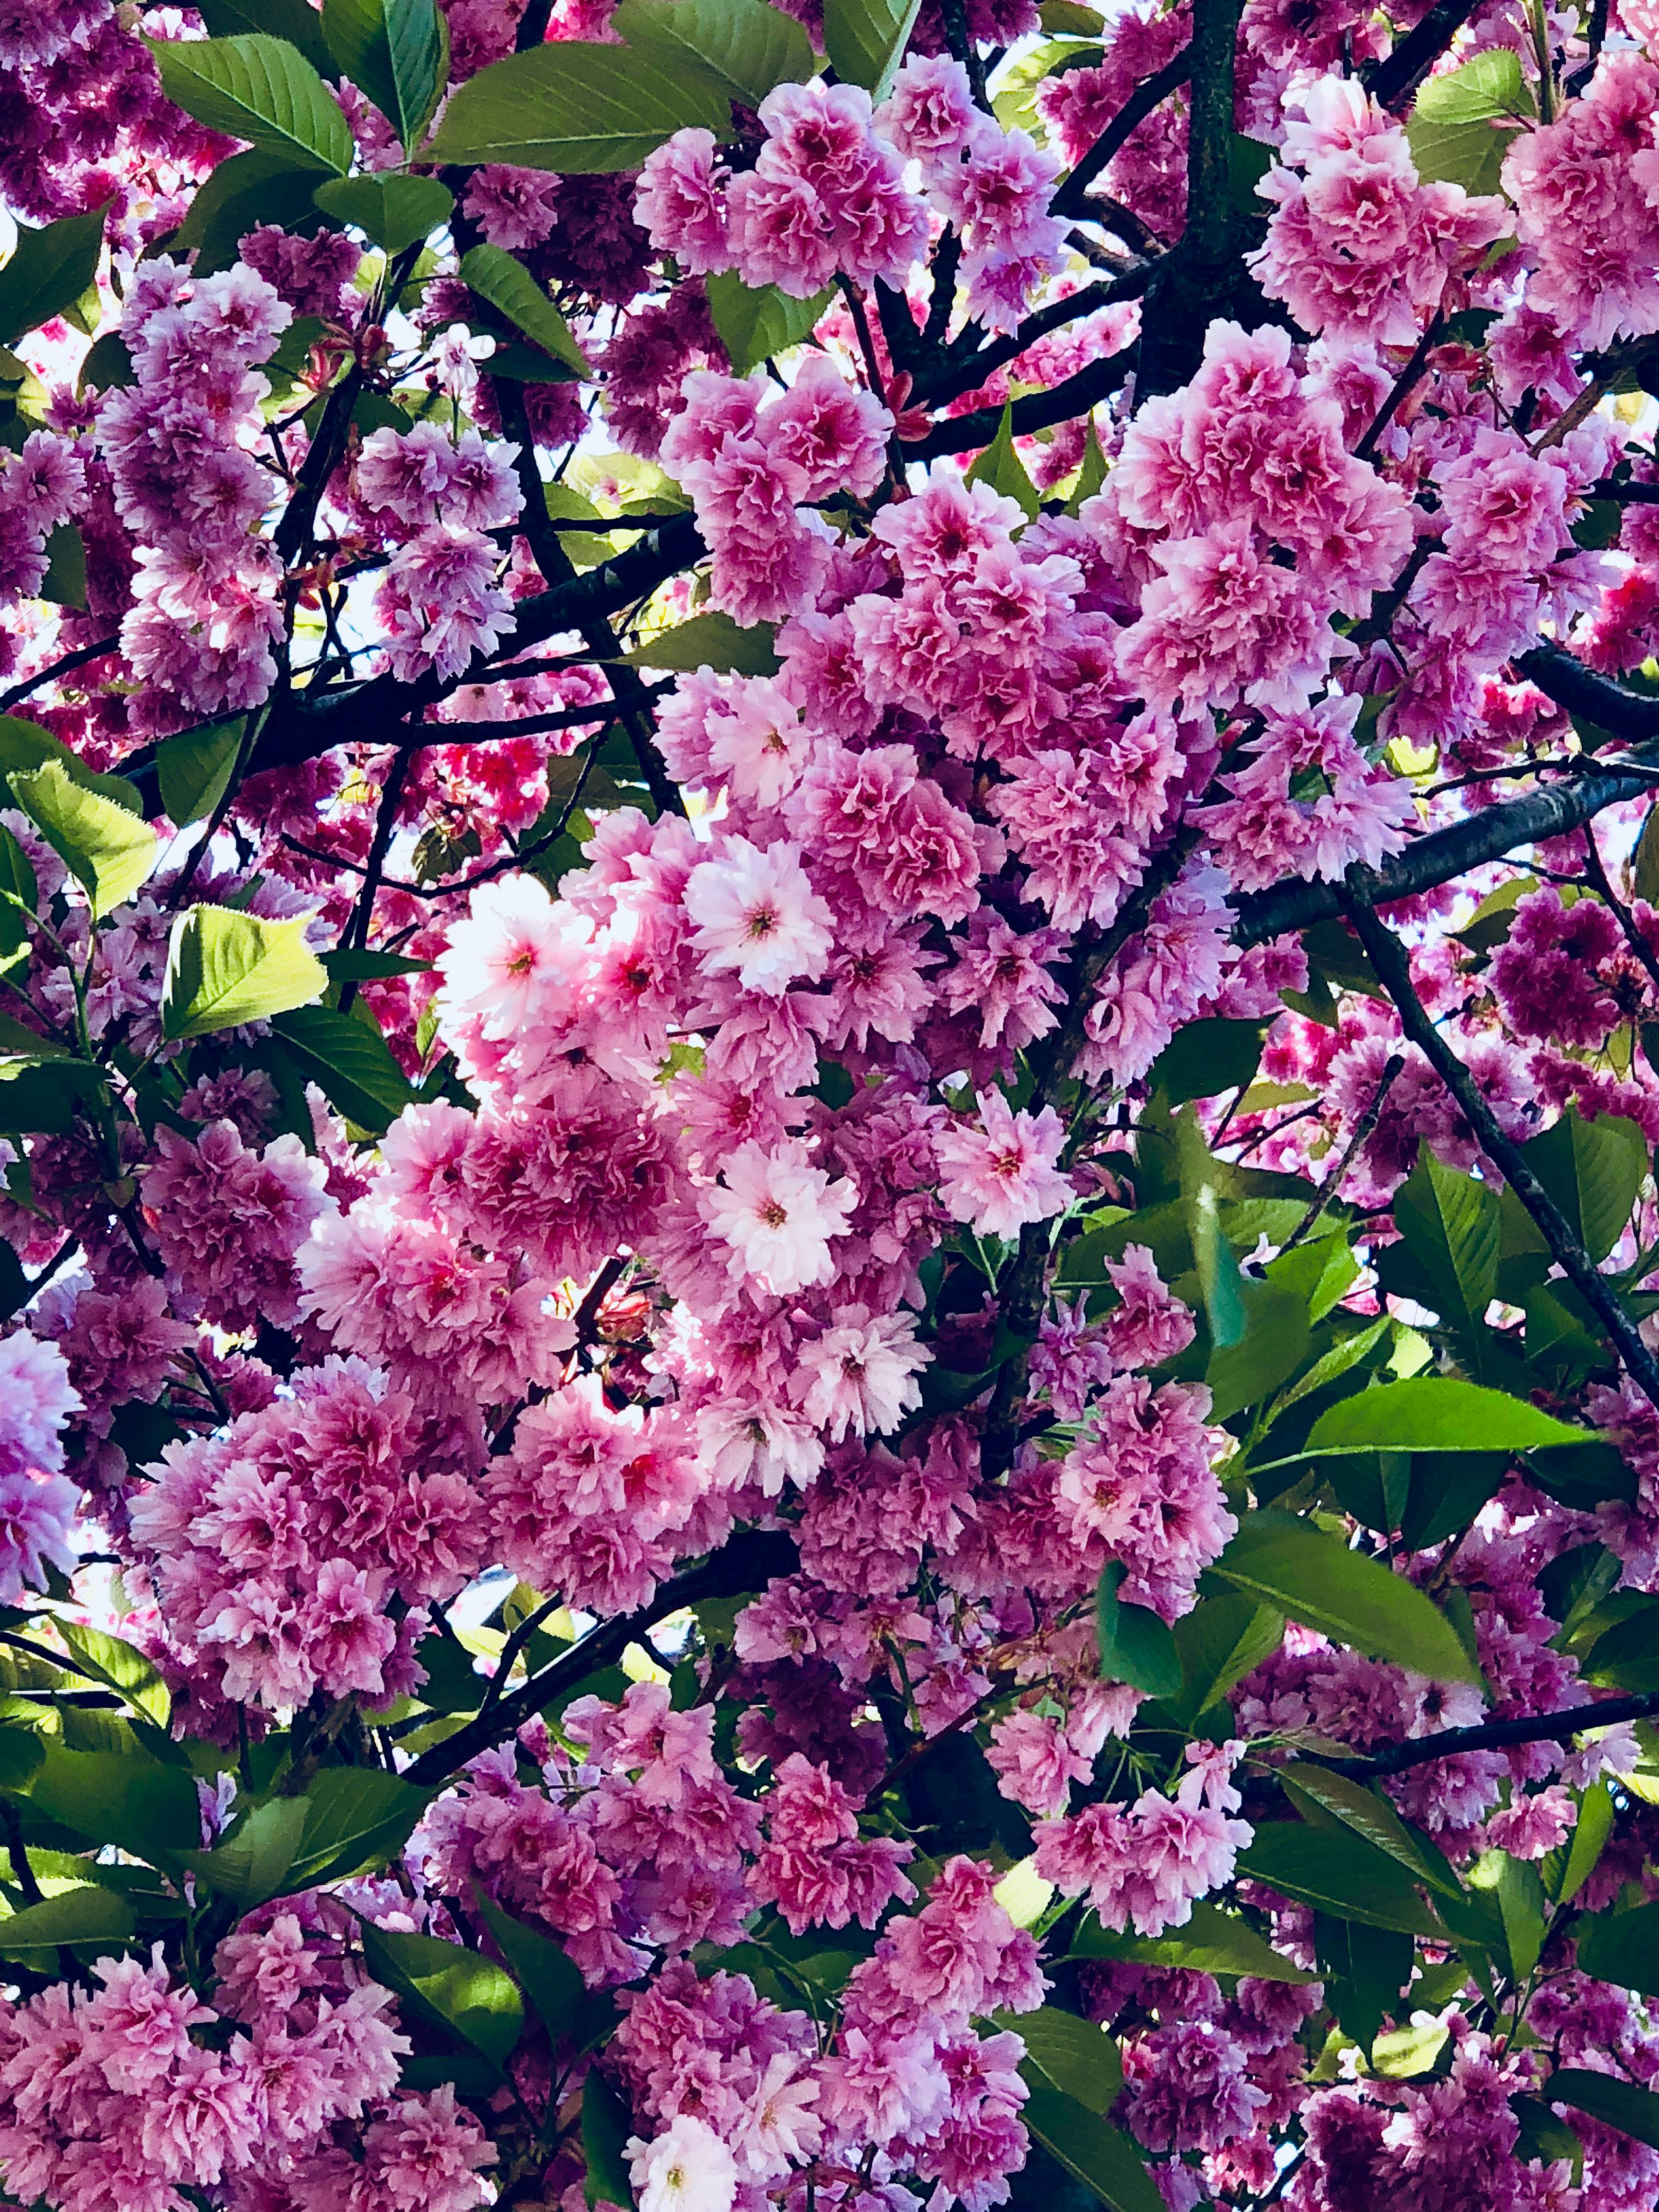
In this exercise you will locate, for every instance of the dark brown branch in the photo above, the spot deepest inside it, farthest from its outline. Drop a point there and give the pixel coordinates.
(76, 659)
(1388, 958)
(1610, 706)
(1408, 376)
(1498, 1736)
(1444, 854)
(1392, 1068)
(1400, 72)
(967, 374)
(1020, 1293)
(1038, 411)
(386, 822)
(752, 1559)
(370, 714)
(1070, 200)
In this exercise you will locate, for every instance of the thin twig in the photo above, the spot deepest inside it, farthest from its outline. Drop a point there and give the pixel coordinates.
(1363, 1128)
(1389, 958)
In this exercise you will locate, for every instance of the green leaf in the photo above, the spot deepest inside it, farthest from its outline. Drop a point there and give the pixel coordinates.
(544, 1971)
(1105, 2161)
(392, 209)
(225, 969)
(252, 1865)
(1092, 474)
(47, 1098)
(1316, 1579)
(48, 271)
(1593, 1170)
(1644, 864)
(351, 1062)
(347, 964)
(755, 322)
(606, 2126)
(1000, 468)
(711, 641)
(357, 1818)
(1218, 1277)
(453, 1989)
(1339, 1873)
(1452, 1225)
(247, 190)
(1066, 19)
(1211, 1942)
(745, 45)
(580, 110)
(1625, 1657)
(1616, 2103)
(1622, 1947)
(1219, 1643)
(509, 288)
(1135, 1645)
(194, 768)
(121, 1798)
(22, 1751)
(1436, 1413)
(1273, 1345)
(259, 88)
(93, 1915)
(109, 1659)
(1316, 1791)
(1452, 133)
(1207, 1058)
(1070, 2054)
(1364, 1969)
(1520, 1893)
(18, 894)
(1590, 1836)
(65, 580)
(108, 851)
(865, 39)
(293, 20)
(395, 50)
(27, 745)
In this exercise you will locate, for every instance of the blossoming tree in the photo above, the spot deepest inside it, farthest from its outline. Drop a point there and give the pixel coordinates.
(828, 1058)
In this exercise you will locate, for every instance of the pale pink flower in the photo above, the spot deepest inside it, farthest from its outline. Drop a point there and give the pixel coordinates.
(1003, 1174)
(861, 1376)
(685, 2169)
(757, 914)
(778, 1213)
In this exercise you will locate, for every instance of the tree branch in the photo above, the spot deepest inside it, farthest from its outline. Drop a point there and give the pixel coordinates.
(1399, 73)
(969, 373)
(1388, 956)
(1497, 1736)
(1070, 200)
(752, 1559)
(367, 713)
(1566, 680)
(1444, 854)
(1038, 411)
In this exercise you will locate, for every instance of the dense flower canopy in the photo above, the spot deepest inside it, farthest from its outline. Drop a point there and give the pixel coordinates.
(828, 1066)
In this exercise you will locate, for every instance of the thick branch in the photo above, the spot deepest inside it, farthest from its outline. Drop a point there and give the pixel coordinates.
(1399, 73)
(752, 1558)
(1444, 854)
(1071, 200)
(1629, 715)
(1038, 411)
(975, 369)
(1498, 1736)
(1388, 958)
